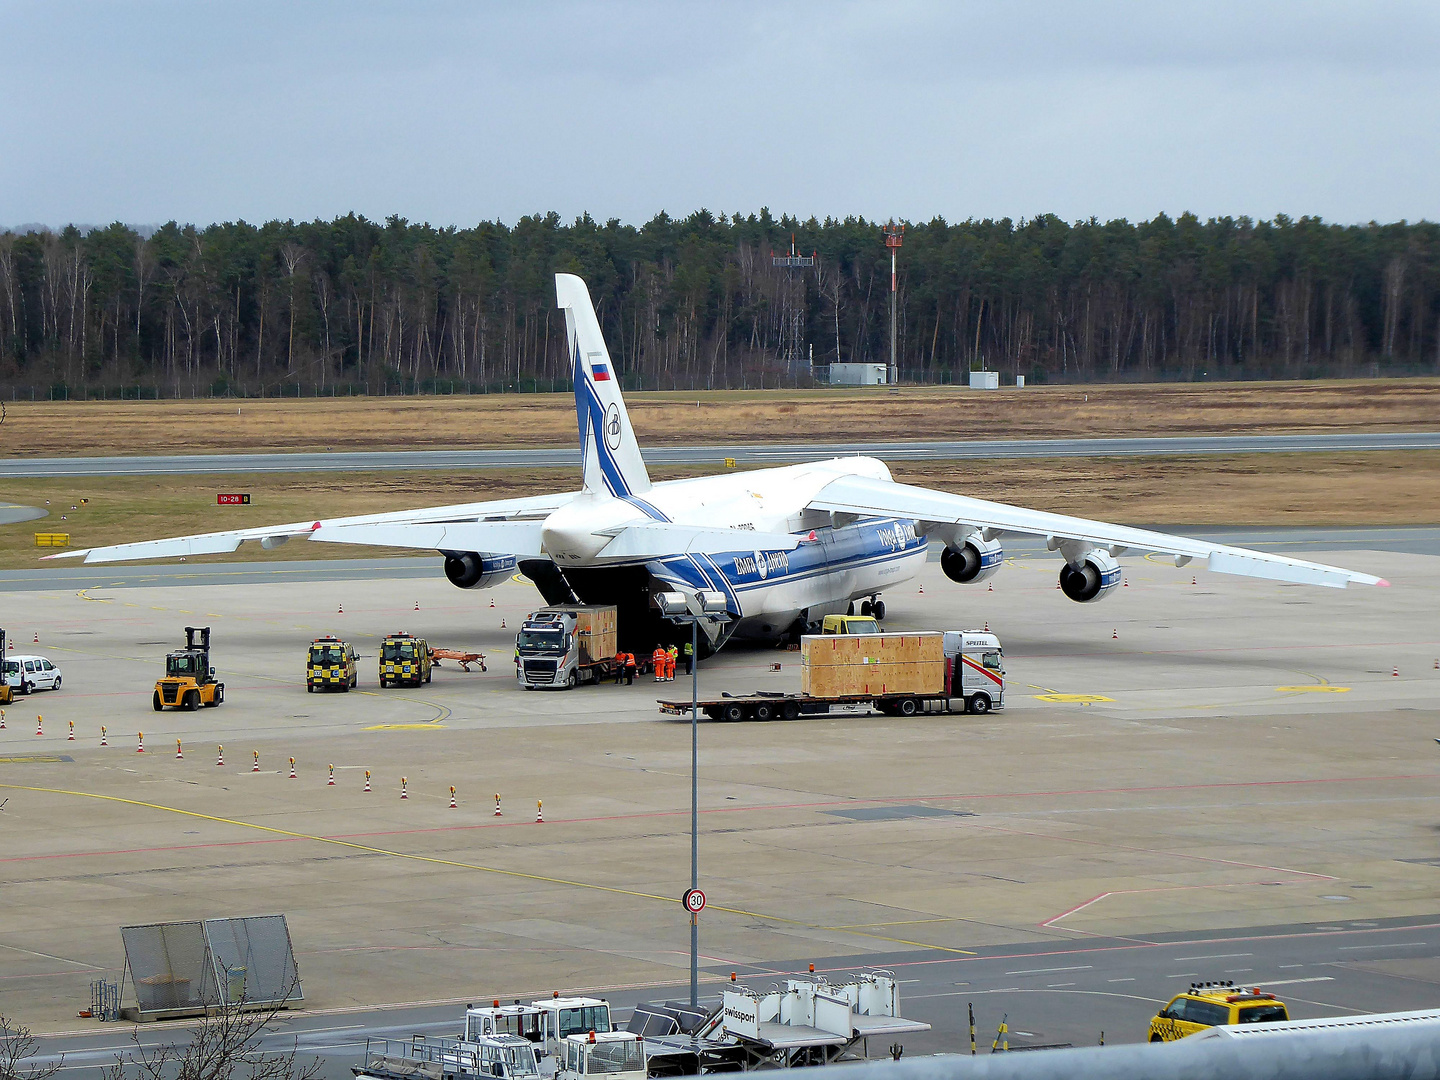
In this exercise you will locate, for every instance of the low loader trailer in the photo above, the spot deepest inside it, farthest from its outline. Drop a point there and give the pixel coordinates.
(891, 674)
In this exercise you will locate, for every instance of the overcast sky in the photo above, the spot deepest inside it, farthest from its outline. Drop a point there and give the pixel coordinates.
(453, 112)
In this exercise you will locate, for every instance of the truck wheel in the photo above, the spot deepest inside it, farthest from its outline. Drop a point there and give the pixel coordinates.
(156, 703)
(906, 706)
(192, 700)
(980, 704)
(791, 710)
(428, 674)
(56, 685)
(220, 694)
(734, 713)
(764, 712)
(572, 682)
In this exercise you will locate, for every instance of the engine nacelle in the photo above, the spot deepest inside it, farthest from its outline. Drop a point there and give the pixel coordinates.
(1098, 574)
(473, 569)
(975, 560)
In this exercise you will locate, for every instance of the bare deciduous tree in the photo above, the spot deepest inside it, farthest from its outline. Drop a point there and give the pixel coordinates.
(17, 1051)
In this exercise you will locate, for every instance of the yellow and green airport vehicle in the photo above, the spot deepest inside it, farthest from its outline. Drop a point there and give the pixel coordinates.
(405, 660)
(849, 624)
(331, 665)
(1214, 1004)
(189, 680)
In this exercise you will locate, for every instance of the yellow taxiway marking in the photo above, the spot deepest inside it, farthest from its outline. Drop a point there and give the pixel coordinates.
(520, 874)
(33, 759)
(1313, 689)
(432, 726)
(1083, 699)
(94, 599)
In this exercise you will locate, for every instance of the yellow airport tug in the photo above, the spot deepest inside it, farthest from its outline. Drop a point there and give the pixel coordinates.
(331, 665)
(189, 679)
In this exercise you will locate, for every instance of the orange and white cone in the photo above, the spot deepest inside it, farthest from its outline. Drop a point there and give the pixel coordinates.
(492, 601)
(2, 711)
(256, 766)
(922, 590)
(219, 756)
(331, 781)
(497, 806)
(37, 637)
(1396, 671)
(539, 813)
(103, 740)
(340, 610)
(1193, 581)
(991, 587)
(367, 779)
(453, 804)
(71, 736)
(179, 751)
(403, 793)
(417, 605)
(39, 725)
(292, 775)
(502, 623)
(140, 744)
(987, 626)
(1115, 634)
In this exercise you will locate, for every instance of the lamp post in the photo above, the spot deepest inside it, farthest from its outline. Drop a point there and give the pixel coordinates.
(682, 608)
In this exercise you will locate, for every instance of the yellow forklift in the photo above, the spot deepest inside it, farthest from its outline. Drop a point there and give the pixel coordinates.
(189, 679)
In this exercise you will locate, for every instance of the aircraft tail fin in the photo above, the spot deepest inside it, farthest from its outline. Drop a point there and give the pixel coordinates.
(610, 456)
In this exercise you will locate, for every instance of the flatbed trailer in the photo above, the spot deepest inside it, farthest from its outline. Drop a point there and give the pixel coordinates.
(764, 705)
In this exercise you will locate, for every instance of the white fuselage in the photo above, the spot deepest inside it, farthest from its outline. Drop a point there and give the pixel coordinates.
(767, 589)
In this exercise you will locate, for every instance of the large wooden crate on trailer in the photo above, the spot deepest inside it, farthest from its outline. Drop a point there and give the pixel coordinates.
(842, 665)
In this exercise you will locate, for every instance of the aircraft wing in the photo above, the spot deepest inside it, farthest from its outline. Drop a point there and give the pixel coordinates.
(936, 510)
(509, 526)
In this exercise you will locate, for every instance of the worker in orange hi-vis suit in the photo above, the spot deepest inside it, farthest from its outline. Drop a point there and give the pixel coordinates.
(657, 658)
(672, 654)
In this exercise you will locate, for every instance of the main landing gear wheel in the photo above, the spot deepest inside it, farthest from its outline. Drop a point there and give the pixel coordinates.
(878, 610)
(866, 608)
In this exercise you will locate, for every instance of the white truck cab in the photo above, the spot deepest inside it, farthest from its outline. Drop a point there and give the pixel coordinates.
(977, 669)
(566, 1016)
(616, 1055)
(528, 1022)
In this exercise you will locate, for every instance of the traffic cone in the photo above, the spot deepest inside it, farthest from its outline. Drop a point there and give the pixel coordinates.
(991, 587)
(71, 736)
(1115, 634)
(1057, 585)
(987, 626)
(403, 795)
(367, 779)
(1126, 583)
(219, 756)
(37, 637)
(502, 622)
(103, 741)
(492, 601)
(39, 725)
(2, 715)
(331, 781)
(292, 775)
(539, 813)
(453, 805)
(140, 746)
(922, 590)
(340, 610)
(497, 806)
(179, 751)
(2, 711)
(1192, 580)
(417, 605)
(1396, 671)
(256, 766)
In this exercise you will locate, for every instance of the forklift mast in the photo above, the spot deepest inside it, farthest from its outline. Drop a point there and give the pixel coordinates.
(200, 632)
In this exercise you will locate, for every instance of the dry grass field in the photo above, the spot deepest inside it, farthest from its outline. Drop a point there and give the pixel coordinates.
(907, 413)
(1380, 487)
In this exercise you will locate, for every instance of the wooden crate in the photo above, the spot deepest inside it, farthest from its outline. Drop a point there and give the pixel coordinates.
(835, 665)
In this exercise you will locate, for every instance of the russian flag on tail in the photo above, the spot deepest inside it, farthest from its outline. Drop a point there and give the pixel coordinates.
(601, 372)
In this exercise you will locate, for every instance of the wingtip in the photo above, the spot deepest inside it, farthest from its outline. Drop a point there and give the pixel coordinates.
(1382, 583)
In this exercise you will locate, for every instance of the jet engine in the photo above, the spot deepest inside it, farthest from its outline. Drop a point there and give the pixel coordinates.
(474, 569)
(973, 561)
(1098, 574)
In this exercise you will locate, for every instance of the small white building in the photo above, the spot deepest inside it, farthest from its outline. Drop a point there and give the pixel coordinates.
(984, 380)
(857, 374)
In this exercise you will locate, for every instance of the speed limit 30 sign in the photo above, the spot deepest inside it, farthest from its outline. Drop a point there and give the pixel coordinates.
(694, 901)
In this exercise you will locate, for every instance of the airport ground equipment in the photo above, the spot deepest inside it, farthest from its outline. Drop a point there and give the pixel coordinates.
(464, 659)
(404, 660)
(7, 692)
(849, 624)
(892, 674)
(807, 1022)
(331, 664)
(564, 645)
(616, 1054)
(189, 680)
(422, 1057)
(1214, 1004)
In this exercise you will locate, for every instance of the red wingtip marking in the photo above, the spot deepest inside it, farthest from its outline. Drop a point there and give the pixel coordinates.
(315, 526)
(1382, 583)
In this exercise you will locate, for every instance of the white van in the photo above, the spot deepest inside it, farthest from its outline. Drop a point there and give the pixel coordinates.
(26, 673)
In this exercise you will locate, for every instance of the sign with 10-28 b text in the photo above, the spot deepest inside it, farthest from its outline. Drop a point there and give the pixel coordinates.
(233, 499)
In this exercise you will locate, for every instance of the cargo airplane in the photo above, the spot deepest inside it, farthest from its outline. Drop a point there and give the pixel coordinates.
(786, 546)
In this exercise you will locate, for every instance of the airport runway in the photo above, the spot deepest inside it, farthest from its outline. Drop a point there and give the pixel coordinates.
(1051, 993)
(1300, 542)
(765, 454)
(11, 514)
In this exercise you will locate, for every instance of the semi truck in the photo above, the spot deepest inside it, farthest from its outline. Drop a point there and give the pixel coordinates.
(564, 645)
(892, 674)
